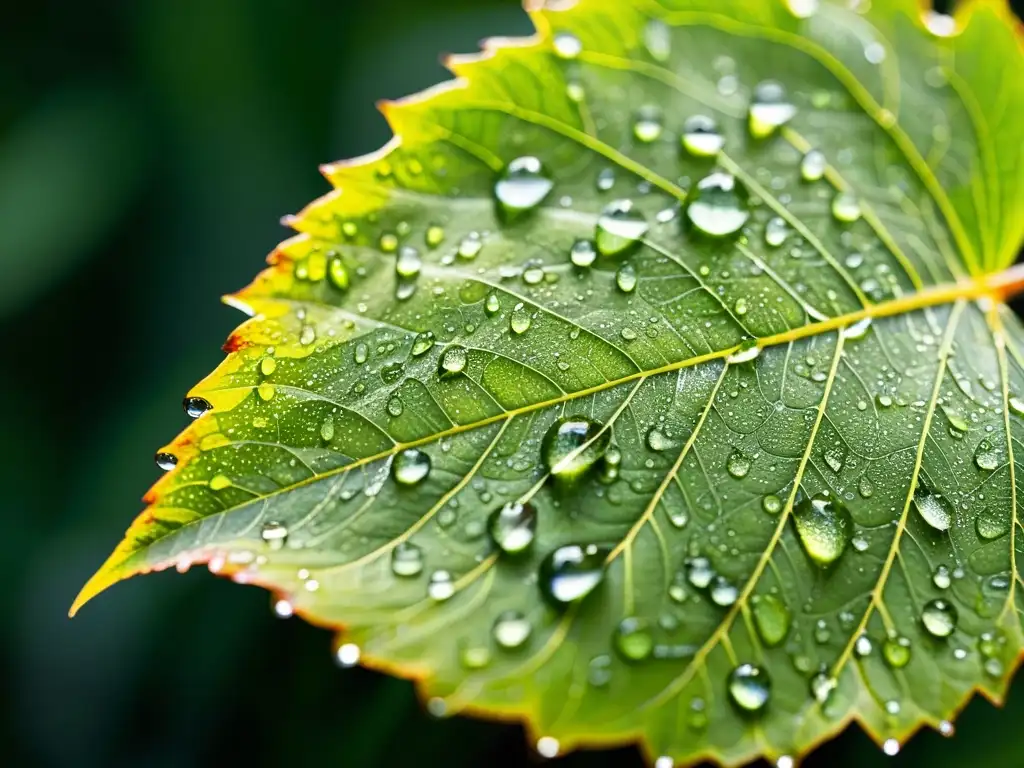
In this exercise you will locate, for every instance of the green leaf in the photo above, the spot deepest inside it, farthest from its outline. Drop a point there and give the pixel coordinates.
(577, 421)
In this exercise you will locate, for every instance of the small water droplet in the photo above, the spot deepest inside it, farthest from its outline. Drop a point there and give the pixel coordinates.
(770, 108)
(939, 617)
(548, 747)
(776, 231)
(699, 572)
(723, 592)
(803, 9)
(409, 263)
(267, 366)
(520, 321)
(411, 467)
(511, 630)
(441, 586)
(337, 273)
(986, 456)
(283, 609)
(772, 619)
(522, 186)
(846, 207)
(702, 137)
(307, 335)
(891, 747)
(738, 465)
(572, 445)
(625, 278)
(863, 646)
(647, 124)
(452, 361)
(822, 686)
(492, 305)
(166, 461)
(896, 651)
(274, 534)
(196, 406)
(813, 165)
(572, 572)
(824, 527)
(939, 24)
(470, 246)
(718, 206)
(941, 578)
(567, 46)
(423, 343)
(395, 405)
(620, 227)
(513, 527)
(771, 504)
(406, 560)
(347, 655)
(658, 440)
(582, 253)
(749, 687)
(327, 429)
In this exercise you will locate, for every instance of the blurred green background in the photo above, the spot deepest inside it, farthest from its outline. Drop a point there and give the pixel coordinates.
(147, 151)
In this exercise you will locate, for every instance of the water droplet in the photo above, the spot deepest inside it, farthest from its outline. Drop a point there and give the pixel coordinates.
(740, 307)
(813, 165)
(633, 640)
(283, 609)
(520, 321)
(1017, 405)
(802, 9)
(470, 246)
(395, 405)
(522, 186)
(858, 330)
(647, 124)
(941, 578)
(738, 465)
(702, 137)
(166, 461)
(441, 586)
(274, 534)
(723, 592)
(776, 231)
(548, 747)
(658, 40)
(533, 275)
(337, 274)
(583, 253)
(845, 207)
(511, 630)
(896, 651)
(822, 686)
(747, 351)
(307, 335)
(406, 560)
(268, 365)
(492, 305)
(599, 672)
(862, 646)
(572, 572)
(347, 655)
(423, 343)
(513, 527)
(567, 46)
(699, 572)
(771, 504)
(410, 467)
(939, 617)
(388, 243)
(625, 278)
(572, 445)
(361, 353)
(891, 747)
(327, 429)
(474, 656)
(658, 440)
(452, 361)
(824, 526)
(619, 228)
(934, 509)
(772, 618)
(196, 406)
(409, 263)
(939, 24)
(605, 179)
(991, 523)
(770, 108)
(749, 687)
(718, 206)
(986, 456)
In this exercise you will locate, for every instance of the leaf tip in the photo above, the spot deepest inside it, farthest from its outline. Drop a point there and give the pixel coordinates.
(110, 573)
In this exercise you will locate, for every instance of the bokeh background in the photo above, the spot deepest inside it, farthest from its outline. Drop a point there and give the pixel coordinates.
(147, 151)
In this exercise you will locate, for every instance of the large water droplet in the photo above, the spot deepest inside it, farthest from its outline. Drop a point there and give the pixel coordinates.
(702, 137)
(619, 228)
(411, 467)
(934, 509)
(647, 124)
(572, 445)
(452, 361)
(274, 534)
(749, 687)
(770, 108)
(513, 527)
(824, 526)
(633, 640)
(166, 461)
(939, 617)
(522, 186)
(718, 206)
(196, 406)
(572, 572)
(511, 630)
(772, 618)
(407, 560)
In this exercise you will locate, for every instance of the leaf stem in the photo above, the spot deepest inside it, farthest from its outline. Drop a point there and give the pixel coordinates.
(1008, 283)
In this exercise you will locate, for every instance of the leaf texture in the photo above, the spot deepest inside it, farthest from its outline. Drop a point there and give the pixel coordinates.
(798, 458)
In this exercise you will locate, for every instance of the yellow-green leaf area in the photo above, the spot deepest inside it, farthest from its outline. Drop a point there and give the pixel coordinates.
(652, 385)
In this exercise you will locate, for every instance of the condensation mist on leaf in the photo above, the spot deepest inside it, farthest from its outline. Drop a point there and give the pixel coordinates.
(654, 385)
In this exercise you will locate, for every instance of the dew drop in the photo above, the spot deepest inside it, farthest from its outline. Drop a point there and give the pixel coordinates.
(274, 534)
(196, 406)
(803, 9)
(492, 305)
(702, 137)
(470, 246)
(582, 253)
(749, 687)
(991, 524)
(513, 527)
(813, 165)
(769, 109)
(347, 655)
(452, 361)
(939, 618)
(166, 461)
(423, 343)
(307, 335)
(986, 456)
(572, 445)
(411, 467)
(620, 227)
(625, 278)
(327, 429)
(845, 207)
(441, 586)
(723, 592)
(658, 40)
(941, 578)
(408, 263)
(548, 747)
(520, 321)
(863, 646)
(891, 747)
(896, 651)
(572, 572)
(406, 560)
(772, 619)
(511, 630)
(776, 231)
(699, 572)
(658, 440)
(771, 504)
(267, 366)
(647, 124)
(337, 274)
(718, 206)
(395, 406)
(633, 640)
(522, 186)
(738, 465)
(934, 509)
(567, 46)
(824, 527)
